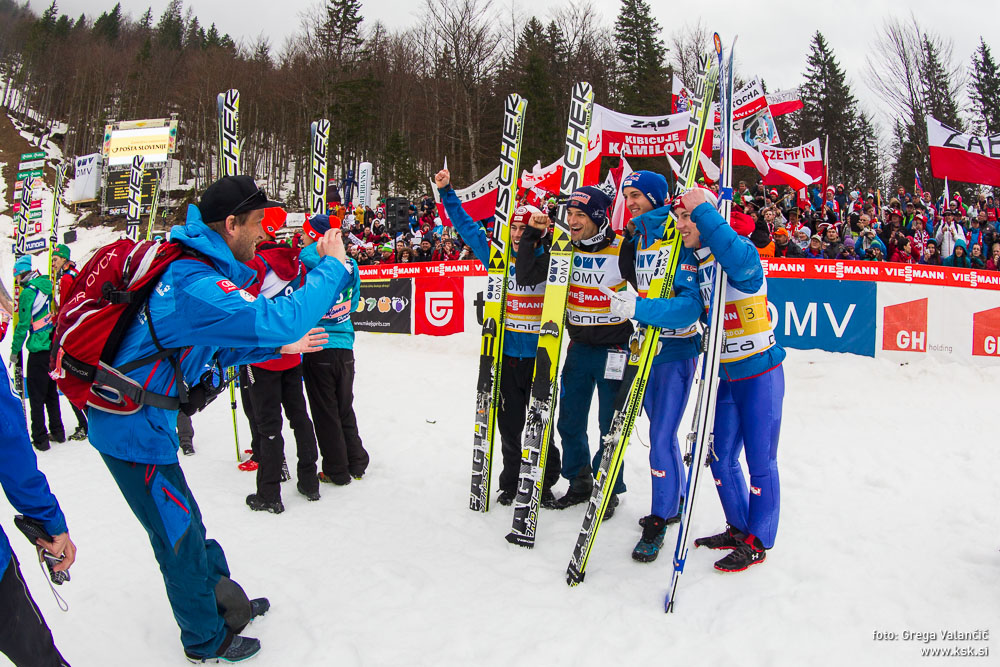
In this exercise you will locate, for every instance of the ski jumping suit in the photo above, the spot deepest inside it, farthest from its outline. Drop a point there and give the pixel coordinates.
(520, 340)
(24, 635)
(200, 306)
(277, 384)
(752, 382)
(329, 379)
(595, 334)
(673, 368)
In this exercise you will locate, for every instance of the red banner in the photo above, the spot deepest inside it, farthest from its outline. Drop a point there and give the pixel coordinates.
(439, 306)
(436, 269)
(889, 272)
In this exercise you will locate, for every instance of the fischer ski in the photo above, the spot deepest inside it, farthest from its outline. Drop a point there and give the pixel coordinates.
(154, 204)
(495, 310)
(319, 132)
(541, 405)
(134, 198)
(54, 226)
(229, 165)
(644, 342)
(701, 436)
(20, 249)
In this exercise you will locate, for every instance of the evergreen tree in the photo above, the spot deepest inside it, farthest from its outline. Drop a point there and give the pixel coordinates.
(830, 110)
(644, 83)
(170, 29)
(534, 80)
(146, 21)
(194, 35)
(938, 96)
(984, 90)
(212, 37)
(108, 25)
(342, 28)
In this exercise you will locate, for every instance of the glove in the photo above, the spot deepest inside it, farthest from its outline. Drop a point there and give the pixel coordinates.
(622, 303)
(15, 358)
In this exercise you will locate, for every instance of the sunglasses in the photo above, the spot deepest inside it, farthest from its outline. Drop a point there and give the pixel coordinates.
(259, 194)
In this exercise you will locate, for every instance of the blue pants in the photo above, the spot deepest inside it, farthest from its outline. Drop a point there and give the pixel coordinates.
(748, 416)
(666, 397)
(190, 564)
(583, 370)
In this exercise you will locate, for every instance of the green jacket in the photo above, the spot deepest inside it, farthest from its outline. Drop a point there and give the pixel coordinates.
(34, 319)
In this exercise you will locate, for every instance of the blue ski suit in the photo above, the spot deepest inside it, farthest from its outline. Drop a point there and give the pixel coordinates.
(670, 378)
(199, 305)
(751, 388)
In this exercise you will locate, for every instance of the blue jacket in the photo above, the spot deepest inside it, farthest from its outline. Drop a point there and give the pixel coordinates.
(517, 344)
(337, 321)
(26, 488)
(203, 307)
(685, 307)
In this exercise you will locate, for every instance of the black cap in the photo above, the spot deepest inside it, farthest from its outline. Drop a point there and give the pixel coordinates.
(232, 195)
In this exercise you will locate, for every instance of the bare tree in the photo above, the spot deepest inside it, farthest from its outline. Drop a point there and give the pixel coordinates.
(686, 45)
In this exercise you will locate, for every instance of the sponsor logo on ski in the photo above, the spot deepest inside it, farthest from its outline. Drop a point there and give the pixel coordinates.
(229, 113)
(320, 140)
(558, 270)
(135, 189)
(576, 136)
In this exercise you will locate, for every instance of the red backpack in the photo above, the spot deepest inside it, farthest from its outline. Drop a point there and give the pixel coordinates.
(111, 289)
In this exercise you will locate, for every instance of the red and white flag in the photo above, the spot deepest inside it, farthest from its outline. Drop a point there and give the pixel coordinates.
(784, 101)
(642, 136)
(620, 215)
(479, 199)
(963, 157)
(680, 98)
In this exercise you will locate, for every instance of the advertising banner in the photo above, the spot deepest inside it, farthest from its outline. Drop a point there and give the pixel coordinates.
(153, 139)
(439, 306)
(384, 306)
(87, 178)
(116, 191)
(833, 315)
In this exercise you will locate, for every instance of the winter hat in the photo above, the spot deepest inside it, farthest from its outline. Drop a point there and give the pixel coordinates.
(61, 251)
(274, 219)
(318, 225)
(387, 247)
(649, 183)
(773, 193)
(816, 237)
(849, 241)
(741, 223)
(22, 265)
(781, 231)
(523, 213)
(594, 202)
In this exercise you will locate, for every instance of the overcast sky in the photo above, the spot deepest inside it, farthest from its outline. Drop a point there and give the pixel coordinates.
(774, 35)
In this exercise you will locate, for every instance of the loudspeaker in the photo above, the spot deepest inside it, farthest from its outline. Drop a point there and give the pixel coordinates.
(397, 214)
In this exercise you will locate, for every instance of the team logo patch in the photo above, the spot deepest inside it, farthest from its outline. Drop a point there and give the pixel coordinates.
(689, 267)
(718, 482)
(227, 286)
(581, 197)
(755, 490)
(657, 473)
(247, 296)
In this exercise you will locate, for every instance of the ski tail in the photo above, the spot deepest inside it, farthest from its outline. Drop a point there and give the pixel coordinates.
(229, 165)
(644, 342)
(701, 436)
(154, 205)
(541, 404)
(495, 309)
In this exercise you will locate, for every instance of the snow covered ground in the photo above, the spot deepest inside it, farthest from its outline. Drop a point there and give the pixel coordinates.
(889, 524)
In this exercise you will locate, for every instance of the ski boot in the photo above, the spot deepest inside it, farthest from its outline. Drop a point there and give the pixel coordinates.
(609, 511)
(310, 495)
(258, 504)
(339, 480)
(580, 488)
(654, 529)
(506, 498)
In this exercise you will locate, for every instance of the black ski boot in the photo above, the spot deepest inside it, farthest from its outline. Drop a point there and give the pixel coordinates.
(310, 495)
(259, 607)
(749, 552)
(609, 511)
(580, 488)
(506, 498)
(187, 447)
(548, 499)
(236, 648)
(728, 539)
(654, 529)
(79, 434)
(258, 504)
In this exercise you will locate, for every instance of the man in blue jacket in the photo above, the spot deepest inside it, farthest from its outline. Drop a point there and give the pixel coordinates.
(673, 368)
(520, 340)
(200, 305)
(752, 386)
(329, 373)
(24, 637)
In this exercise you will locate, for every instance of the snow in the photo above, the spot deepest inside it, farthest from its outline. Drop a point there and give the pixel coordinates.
(889, 523)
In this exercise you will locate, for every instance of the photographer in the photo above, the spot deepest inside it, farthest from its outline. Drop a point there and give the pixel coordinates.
(24, 636)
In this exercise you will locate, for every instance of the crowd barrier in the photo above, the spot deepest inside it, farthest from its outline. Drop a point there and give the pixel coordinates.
(897, 311)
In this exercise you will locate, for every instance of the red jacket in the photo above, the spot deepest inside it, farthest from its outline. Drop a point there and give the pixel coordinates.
(278, 269)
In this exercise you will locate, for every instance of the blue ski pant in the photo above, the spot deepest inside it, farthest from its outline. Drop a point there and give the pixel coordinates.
(584, 370)
(666, 397)
(191, 565)
(748, 417)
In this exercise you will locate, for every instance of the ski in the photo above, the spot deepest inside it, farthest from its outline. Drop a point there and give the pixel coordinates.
(701, 435)
(21, 248)
(54, 225)
(541, 404)
(134, 198)
(644, 342)
(154, 205)
(229, 165)
(494, 311)
(319, 133)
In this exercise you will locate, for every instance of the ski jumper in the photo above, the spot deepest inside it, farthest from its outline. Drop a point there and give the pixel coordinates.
(523, 317)
(203, 307)
(329, 380)
(672, 373)
(595, 333)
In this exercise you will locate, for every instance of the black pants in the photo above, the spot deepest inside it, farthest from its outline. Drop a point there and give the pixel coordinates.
(269, 391)
(24, 637)
(248, 411)
(42, 398)
(329, 376)
(515, 393)
(185, 429)
(81, 417)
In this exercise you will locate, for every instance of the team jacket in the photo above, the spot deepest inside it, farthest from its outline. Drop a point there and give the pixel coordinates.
(524, 298)
(202, 305)
(676, 343)
(25, 487)
(337, 320)
(749, 348)
(36, 299)
(609, 261)
(278, 272)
